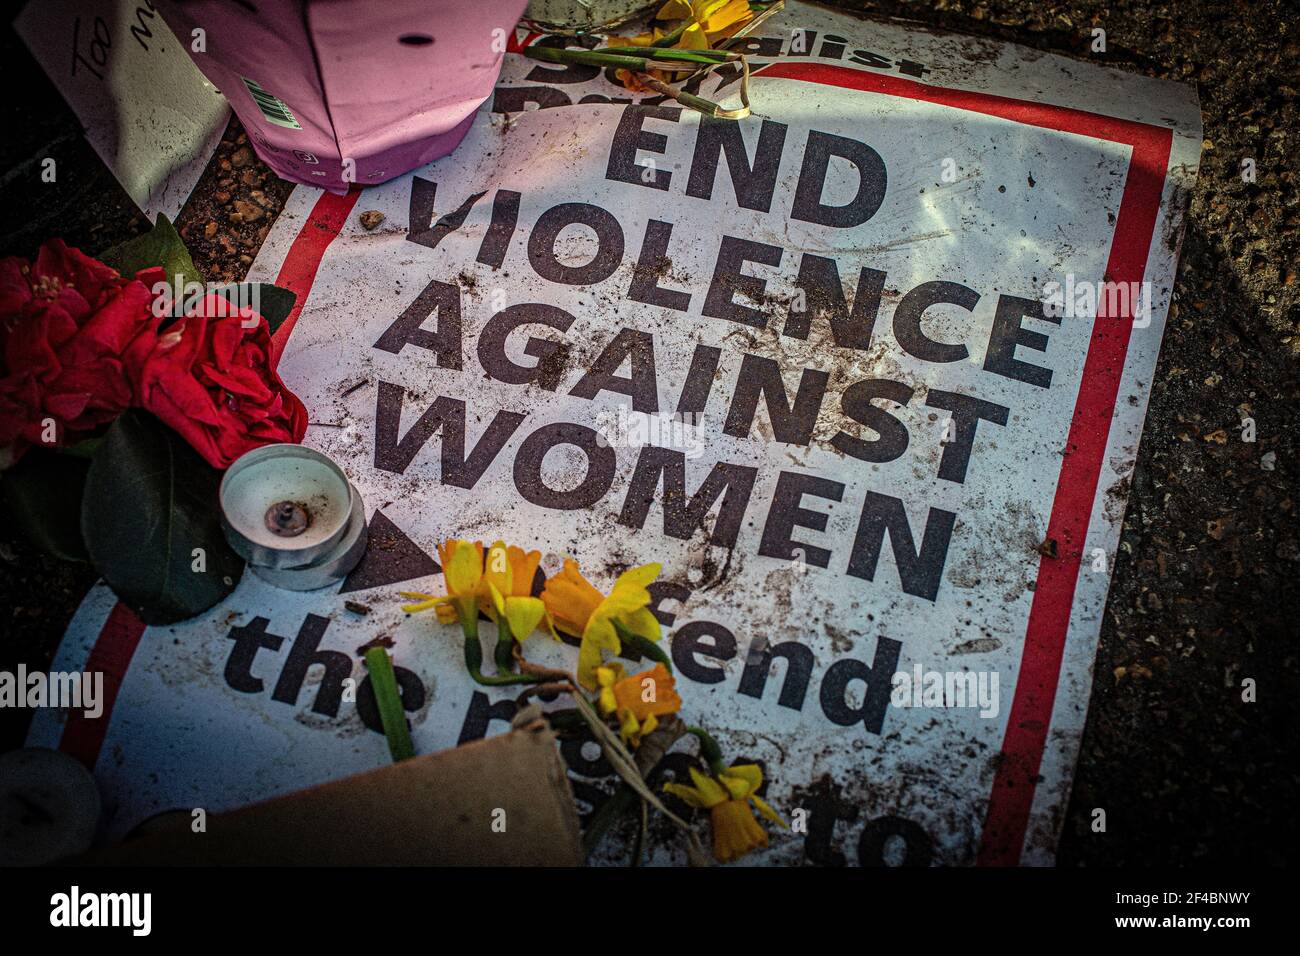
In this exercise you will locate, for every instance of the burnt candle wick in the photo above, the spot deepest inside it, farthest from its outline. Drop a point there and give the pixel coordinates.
(287, 519)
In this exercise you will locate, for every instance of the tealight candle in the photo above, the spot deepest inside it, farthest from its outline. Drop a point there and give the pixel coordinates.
(291, 513)
(49, 807)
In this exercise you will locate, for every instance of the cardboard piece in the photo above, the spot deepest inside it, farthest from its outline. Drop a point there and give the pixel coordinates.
(887, 590)
(149, 114)
(498, 802)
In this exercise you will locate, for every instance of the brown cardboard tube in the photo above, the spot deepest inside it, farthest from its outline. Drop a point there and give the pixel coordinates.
(503, 801)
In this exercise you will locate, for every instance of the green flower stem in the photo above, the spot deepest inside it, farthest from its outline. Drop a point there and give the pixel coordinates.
(504, 653)
(467, 613)
(699, 103)
(668, 39)
(638, 61)
(709, 750)
(474, 656)
(686, 56)
(474, 664)
(389, 701)
(502, 679)
(586, 57)
(642, 646)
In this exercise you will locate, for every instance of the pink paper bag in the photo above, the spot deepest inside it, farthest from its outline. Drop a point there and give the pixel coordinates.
(334, 92)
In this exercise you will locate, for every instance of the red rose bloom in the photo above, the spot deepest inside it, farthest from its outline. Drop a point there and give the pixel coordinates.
(79, 344)
(209, 376)
(72, 336)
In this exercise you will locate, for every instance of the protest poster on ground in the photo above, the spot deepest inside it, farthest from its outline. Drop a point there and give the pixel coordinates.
(866, 374)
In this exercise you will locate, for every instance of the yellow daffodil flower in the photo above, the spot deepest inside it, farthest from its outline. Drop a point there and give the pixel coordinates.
(707, 23)
(606, 677)
(577, 608)
(710, 20)
(727, 797)
(638, 701)
(508, 576)
(499, 584)
(462, 573)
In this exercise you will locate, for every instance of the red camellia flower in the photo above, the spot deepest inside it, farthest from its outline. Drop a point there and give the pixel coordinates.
(73, 335)
(209, 376)
(79, 344)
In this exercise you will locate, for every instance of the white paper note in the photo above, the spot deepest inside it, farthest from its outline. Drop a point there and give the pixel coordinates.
(146, 109)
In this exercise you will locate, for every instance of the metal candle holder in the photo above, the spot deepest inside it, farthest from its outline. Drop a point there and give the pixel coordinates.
(292, 514)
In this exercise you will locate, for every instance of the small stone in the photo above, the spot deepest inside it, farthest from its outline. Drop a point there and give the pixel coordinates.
(209, 230)
(247, 211)
(371, 218)
(241, 157)
(1268, 460)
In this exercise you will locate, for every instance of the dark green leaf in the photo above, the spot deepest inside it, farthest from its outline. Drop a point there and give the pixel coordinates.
(622, 802)
(85, 448)
(150, 521)
(160, 246)
(273, 302)
(43, 496)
